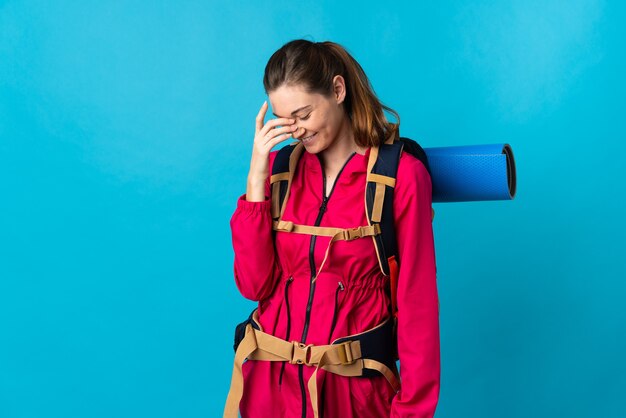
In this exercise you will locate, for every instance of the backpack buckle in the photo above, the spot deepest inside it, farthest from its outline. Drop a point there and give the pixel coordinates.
(352, 233)
(281, 225)
(301, 353)
(346, 356)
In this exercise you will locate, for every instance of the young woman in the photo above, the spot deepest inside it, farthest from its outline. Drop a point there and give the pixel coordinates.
(310, 294)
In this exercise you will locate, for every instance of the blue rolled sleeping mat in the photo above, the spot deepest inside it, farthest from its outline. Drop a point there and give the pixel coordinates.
(472, 172)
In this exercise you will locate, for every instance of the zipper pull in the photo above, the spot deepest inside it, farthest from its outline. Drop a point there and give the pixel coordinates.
(323, 207)
(339, 287)
(335, 311)
(287, 283)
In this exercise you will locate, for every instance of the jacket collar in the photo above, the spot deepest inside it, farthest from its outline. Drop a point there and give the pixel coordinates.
(356, 164)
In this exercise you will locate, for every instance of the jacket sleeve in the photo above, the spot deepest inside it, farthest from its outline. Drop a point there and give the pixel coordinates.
(417, 297)
(257, 267)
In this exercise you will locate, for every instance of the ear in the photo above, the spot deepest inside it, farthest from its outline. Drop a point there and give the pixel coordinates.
(339, 88)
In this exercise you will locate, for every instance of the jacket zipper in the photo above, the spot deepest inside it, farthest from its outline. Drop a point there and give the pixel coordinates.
(340, 287)
(282, 369)
(309, 304)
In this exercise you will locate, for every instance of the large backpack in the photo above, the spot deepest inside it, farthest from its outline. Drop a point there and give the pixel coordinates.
(381, 179)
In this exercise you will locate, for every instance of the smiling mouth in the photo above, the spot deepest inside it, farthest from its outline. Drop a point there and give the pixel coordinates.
(308, 138)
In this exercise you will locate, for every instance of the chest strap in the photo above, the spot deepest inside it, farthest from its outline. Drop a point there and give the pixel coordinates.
(345, 357)
(336, 234)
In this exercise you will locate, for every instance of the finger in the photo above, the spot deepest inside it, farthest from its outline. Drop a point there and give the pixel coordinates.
(261, 116)
(281, 136)
(283, 129)
(298, 132)
(275, 122)
(278, 139)
(289, 130)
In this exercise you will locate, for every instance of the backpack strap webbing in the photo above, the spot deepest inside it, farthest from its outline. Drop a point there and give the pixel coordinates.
(381, 180)
(337, 234)
(366, 354)
(382, 171)
(283, 169)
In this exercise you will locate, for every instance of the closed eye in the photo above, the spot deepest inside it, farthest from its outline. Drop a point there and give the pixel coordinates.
(307, 116)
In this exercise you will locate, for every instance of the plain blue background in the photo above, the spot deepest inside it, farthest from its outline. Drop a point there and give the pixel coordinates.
(125, 138)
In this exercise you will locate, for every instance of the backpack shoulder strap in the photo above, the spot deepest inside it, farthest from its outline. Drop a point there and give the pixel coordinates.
(382, 168)
(381, 180)
(283, 170)
(415, 150)
(418, 152)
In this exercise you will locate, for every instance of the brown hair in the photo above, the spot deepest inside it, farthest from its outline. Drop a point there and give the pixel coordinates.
(313, 65)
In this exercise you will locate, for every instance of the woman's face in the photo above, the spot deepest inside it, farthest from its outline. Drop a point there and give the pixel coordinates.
(319, 119)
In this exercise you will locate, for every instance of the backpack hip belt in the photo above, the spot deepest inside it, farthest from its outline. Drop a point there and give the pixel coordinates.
(359, 355)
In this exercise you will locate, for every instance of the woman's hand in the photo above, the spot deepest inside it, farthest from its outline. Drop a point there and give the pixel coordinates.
(265, 138)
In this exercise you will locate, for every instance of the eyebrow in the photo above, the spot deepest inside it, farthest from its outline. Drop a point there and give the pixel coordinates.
(294, 112)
